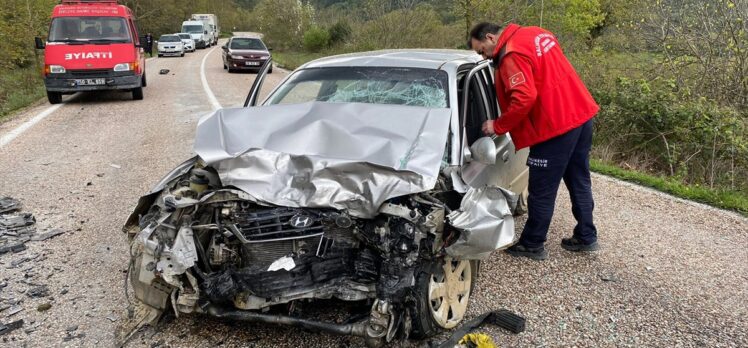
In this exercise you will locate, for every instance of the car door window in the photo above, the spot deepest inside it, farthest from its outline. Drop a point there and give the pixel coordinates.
(476, 111)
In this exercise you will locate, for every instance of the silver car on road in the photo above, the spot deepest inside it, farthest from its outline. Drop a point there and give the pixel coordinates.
(361, 177)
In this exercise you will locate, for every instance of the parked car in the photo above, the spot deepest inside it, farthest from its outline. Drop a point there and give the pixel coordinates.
(92, 53)
(189, 43)
(245, 53)
(361, 177)
(170, 45)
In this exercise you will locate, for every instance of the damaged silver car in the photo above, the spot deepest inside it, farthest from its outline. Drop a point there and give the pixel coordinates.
(361, 177)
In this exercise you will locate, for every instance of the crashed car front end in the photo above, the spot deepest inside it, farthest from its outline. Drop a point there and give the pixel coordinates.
(251, 224)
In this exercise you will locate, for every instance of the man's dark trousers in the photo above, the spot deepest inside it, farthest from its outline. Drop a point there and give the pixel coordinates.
(563, 157)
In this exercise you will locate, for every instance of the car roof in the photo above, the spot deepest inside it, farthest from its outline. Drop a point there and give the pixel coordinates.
(246, 37)
(407, 58)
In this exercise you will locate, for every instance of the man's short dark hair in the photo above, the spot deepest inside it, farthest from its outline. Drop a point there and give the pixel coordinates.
(480, 31)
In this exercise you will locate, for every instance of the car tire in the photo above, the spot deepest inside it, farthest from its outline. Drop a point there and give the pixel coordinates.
(270, 71)
(54, 97)
(450, 285)
(160, 55)
(137, 93)
(182, 54)
(224, 66)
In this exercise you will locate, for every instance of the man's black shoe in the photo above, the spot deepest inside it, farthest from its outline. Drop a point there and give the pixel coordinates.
(574, 244)
(519, 250)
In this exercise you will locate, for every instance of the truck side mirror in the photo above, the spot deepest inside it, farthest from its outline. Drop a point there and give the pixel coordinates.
(39, 43)
(205, 32)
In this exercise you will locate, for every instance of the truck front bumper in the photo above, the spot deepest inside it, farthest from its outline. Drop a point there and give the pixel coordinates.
(75, 81)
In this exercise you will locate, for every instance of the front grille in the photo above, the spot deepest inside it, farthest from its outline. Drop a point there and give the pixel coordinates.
(275, 224)
(264, 254)
(90, 73)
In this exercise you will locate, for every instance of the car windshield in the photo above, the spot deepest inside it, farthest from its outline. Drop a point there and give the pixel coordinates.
(196, 29)
(373, 85)
(169, 38)
(185, 36)
(246, 44)
(74, 29)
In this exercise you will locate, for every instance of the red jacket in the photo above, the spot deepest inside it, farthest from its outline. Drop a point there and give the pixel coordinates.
(540, 94)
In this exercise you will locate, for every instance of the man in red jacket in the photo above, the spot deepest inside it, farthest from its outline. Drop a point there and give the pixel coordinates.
(544, 105)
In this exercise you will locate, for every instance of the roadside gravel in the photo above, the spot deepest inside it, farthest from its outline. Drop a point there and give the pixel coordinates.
(671, 273)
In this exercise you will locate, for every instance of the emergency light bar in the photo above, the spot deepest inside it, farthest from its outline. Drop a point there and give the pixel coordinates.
(79, 2)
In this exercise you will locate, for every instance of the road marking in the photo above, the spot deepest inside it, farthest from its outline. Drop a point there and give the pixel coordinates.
(7, 138)
(12, 135)
(211, 97)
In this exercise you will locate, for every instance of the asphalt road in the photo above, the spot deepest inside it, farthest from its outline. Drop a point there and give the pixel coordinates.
(671, 273)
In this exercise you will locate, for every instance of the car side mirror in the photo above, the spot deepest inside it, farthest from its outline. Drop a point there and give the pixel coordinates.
(270, 49)
(39, 43)
(483, 151)
(224, 47)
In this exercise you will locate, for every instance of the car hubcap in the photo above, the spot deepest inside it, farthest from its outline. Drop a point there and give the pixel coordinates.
(449, 292)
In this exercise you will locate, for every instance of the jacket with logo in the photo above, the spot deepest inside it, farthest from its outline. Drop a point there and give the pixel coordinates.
(539, 92)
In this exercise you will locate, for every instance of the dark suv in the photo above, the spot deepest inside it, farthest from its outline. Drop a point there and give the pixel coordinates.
(242, 53)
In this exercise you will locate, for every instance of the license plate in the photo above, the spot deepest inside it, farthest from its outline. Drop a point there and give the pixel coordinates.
(252, 63)
(89, 82)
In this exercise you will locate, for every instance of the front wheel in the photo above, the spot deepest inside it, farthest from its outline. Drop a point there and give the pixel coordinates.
(443, 297)
(54, 97)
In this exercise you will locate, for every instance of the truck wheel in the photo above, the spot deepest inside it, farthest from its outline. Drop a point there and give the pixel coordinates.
(443, 297)
(54, 97)
(145, 81)
(137, 93)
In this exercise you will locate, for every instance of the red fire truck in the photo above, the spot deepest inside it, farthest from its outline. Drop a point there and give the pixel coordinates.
(92, 45)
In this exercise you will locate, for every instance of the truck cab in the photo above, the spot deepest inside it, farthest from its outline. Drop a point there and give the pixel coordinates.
(92, 45)
(199, 32)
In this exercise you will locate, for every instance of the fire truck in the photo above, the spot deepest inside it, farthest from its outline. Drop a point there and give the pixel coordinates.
(92, 45)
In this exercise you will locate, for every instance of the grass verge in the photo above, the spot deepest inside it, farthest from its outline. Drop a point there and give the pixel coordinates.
(729, 200)
(19, 88)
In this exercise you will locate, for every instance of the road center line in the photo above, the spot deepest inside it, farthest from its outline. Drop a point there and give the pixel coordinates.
(211, 97)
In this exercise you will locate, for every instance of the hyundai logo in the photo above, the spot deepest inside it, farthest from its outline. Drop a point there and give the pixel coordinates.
(301, 221)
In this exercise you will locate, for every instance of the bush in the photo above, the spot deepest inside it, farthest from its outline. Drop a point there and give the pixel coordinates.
(340, 32)
(657, 126)
(316, 39)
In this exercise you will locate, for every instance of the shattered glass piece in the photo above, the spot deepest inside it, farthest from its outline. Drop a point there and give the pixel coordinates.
(485, 221)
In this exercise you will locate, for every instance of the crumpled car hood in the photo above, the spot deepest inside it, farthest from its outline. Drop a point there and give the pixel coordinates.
(347, 156)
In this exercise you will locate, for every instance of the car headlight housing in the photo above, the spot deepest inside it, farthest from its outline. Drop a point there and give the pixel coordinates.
(236, 57)
(123, 67)
(56, 69)
(265, 57)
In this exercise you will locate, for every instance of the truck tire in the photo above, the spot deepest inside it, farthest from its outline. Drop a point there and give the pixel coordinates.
(54, 97)
(145, 81)
(137, 93)
(425, 316)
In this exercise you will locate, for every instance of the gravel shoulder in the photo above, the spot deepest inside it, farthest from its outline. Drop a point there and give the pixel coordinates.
(671, 273)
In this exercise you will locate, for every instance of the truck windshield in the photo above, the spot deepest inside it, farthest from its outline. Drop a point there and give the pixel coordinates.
(85, 29)
(193, 29)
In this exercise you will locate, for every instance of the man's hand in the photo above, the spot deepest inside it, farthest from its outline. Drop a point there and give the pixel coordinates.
(488, 128)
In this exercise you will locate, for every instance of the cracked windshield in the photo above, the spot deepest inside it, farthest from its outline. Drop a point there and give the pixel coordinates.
(379, 85)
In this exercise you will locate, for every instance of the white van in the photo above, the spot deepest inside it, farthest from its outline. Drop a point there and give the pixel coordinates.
(199, 32)
(211, 22)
